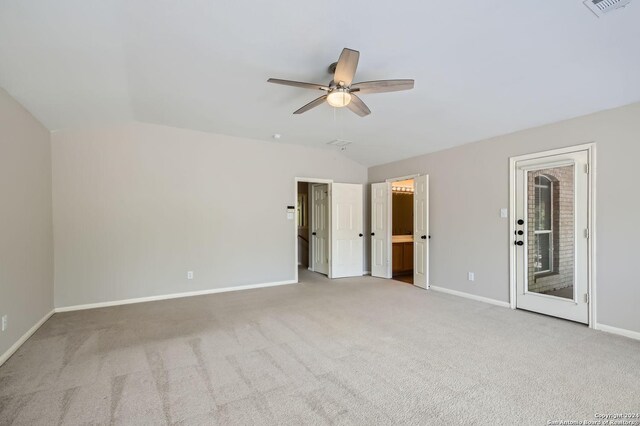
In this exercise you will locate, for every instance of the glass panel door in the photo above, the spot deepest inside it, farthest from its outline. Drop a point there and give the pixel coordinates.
(551, 231)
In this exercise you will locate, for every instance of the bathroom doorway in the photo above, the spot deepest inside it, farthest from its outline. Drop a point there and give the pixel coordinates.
(402, 230)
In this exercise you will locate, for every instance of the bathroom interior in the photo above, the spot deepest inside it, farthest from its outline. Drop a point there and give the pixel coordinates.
(402, 230)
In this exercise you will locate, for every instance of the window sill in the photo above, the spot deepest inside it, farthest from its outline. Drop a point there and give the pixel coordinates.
(545, 274)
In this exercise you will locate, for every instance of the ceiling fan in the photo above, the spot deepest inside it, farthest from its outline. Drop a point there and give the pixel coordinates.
(341, 91)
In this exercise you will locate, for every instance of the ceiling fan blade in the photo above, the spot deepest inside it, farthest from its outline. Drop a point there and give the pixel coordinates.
(314, 103)
(381, 86)
(356, 105)
(312, 86)
(346, 67)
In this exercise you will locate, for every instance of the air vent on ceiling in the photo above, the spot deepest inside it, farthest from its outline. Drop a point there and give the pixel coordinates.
(600, 7)
(339, 142)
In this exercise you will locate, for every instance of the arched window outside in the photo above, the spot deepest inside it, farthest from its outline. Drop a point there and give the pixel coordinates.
(543, 225)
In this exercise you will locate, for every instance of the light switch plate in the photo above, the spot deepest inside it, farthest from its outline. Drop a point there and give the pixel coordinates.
(504, 213)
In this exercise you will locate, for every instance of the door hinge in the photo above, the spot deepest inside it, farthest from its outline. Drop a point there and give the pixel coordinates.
(586, 168)
(586, 233)
(586, 298)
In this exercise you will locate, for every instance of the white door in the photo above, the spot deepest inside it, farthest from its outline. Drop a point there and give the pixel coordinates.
(421, 232)
(551, 235)
(346, 230)
(381, 230)
(320, 228)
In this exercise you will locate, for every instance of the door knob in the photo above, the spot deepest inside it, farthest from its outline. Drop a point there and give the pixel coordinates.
(424, 237)
(313, 233)
(373, 233)
(519, 243)
(359, 235)
(520, 232)
(520, 222)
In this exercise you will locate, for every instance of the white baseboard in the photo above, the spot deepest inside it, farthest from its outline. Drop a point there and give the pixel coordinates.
(471, 296)
(170, 296)
(5, 356)
(619, 331)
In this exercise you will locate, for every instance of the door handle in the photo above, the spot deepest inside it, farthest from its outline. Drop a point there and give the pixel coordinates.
(520, 222)
(519, 243)
(373, 234)
(359, 235)
(424, 237)
(313, 233)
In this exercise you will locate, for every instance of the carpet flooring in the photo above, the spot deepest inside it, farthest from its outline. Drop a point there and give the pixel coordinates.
(359, 351)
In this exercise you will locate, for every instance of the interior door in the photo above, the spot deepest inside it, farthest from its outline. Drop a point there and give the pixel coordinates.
(381, 229)
(552, 248)
(421, 232)
(346, 230)
(320, 228)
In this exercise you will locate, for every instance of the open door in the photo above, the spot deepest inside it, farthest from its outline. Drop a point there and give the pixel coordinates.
(381, 230)
(346, 230)
(320, 228)
(421, 232)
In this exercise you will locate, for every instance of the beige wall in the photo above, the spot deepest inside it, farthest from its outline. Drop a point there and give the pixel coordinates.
(137, 206)
(469, 185)
(26, 247)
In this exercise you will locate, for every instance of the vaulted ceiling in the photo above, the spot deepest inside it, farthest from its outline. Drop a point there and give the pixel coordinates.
(481, 68)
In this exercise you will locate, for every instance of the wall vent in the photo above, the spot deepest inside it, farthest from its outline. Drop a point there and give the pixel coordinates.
(600, 7)
(339, 142)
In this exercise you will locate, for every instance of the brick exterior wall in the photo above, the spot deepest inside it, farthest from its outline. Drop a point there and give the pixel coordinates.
(562, 270)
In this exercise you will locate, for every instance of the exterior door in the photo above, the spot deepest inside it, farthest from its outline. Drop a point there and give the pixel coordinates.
(551, 235)
(346, 230)
(320, 228)
(421, 232)
(381, 229)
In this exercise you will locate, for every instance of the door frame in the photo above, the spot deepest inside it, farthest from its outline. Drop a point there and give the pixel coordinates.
(591, 221)
(413, 176)
(295, 221)
(390, 219)
(398, 179)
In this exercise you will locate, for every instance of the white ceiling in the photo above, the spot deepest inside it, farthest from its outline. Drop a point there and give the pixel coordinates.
(482, 68)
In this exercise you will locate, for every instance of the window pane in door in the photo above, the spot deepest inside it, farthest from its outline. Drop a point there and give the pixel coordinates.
(543, 200)
(551, 231)
(542, 252)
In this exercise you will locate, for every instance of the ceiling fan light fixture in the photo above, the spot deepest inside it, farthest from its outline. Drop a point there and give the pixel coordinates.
(339, 98)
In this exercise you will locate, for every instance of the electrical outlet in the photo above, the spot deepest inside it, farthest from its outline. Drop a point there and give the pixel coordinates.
(472, 276)
(5, 322)
(189, 275)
